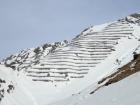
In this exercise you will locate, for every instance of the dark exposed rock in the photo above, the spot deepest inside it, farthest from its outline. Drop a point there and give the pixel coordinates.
(125, 71)
(2, 81)
(46, 46)
(2, 94)
(37, 50)
(10, 88)
(135, 15)
(24, 60)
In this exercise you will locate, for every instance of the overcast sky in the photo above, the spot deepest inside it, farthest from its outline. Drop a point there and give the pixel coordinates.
(30, 23)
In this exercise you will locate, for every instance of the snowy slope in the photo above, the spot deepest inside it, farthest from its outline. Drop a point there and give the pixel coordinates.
(54, 72)
(125, 92)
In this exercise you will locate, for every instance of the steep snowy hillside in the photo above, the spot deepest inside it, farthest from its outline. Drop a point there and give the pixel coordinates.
(119, 88)
(125, 92)
(72, 73)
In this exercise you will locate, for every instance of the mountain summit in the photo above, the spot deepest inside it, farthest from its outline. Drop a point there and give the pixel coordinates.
(91, 69)
(133, 18)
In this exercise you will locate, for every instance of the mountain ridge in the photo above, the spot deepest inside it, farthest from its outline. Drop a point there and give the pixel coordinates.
(63, 67)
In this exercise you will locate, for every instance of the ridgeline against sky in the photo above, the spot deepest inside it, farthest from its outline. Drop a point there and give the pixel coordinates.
(28, 23)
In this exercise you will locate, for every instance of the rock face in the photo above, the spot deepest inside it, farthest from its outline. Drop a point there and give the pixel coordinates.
(53, 72)
(30, 57)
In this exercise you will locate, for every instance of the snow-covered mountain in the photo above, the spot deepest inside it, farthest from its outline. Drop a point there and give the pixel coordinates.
(99, 66)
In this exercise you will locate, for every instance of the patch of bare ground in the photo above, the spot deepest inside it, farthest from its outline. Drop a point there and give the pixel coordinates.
(125, 71)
